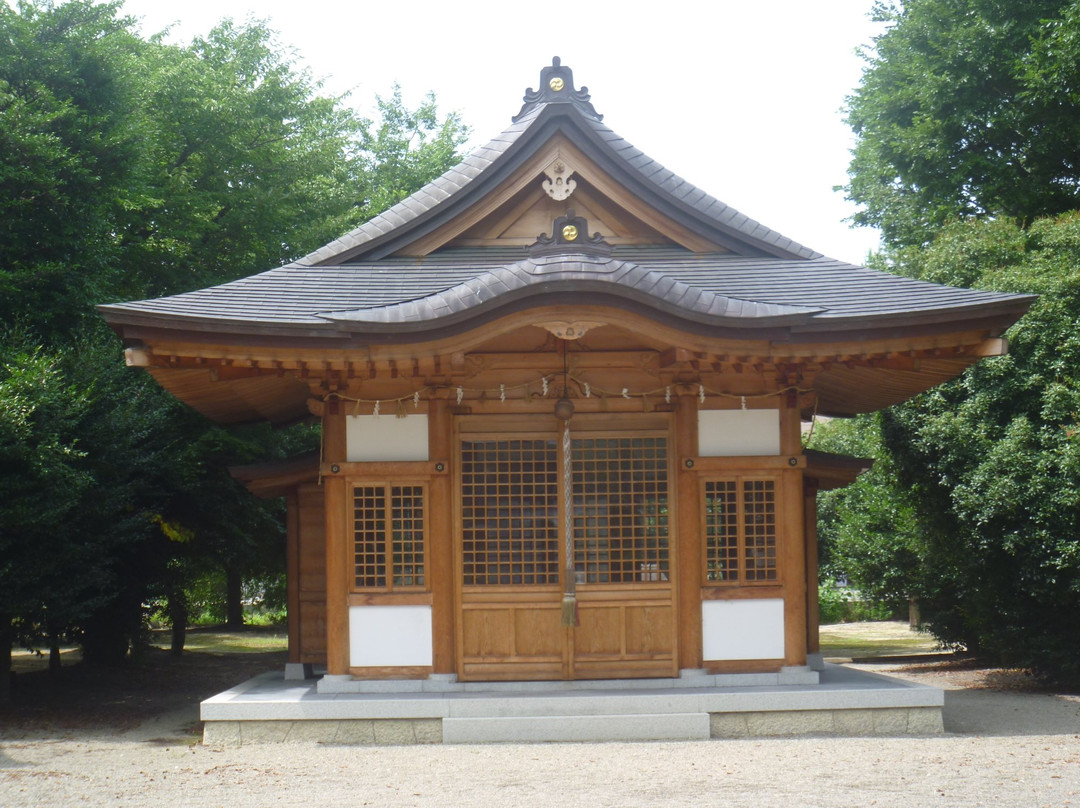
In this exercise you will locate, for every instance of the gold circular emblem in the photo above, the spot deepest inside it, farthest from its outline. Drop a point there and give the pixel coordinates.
(569, 232)
(556, 83)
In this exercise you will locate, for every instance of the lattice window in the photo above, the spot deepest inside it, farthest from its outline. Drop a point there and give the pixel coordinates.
(388, 536)
(510, 512)
(620, 509)
(721, 531)
(759, 525)
(740, 531)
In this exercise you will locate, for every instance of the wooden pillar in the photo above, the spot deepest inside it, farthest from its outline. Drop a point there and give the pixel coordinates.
(441, 539)
(688, 536)
(337, 545)
(292, 572)
(794, 522)
(813, 645)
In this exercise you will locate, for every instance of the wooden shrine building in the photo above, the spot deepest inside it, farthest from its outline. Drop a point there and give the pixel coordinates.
(561, 392)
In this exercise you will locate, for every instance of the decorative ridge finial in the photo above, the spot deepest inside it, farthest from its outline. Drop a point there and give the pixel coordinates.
(557, 87)
(570, 233)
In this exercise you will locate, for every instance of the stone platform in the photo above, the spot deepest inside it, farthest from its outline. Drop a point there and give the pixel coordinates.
(271, 709)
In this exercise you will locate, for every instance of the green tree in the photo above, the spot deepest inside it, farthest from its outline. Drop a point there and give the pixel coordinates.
(868, 531)
(130, 168)
(403, 150)
(78, 473)
(966, 108)
(994, 457)
(248, 166)
(968, 132)
(69, 155)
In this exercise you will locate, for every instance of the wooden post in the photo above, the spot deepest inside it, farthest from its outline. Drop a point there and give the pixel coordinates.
(292, 572)
(440, 546)
(794, 522)
(688, 536)
(813, 644)
(337, 546)
(790, 427)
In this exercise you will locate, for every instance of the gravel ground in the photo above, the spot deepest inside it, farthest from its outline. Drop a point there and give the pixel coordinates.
(1006, 745)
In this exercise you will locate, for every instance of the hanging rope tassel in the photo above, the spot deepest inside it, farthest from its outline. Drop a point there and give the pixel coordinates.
(569, 599)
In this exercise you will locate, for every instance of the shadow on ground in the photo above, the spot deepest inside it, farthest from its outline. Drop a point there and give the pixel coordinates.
(997, 712)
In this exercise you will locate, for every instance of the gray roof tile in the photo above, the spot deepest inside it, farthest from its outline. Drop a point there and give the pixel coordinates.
(753, 290)
(320, 291)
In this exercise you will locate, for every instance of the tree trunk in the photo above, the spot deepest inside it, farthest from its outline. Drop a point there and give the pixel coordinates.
(7, 638)
(178, 620)
(55, 663)
(234, 606)
(106, 634)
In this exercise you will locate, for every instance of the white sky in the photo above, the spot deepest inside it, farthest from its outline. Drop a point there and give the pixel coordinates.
(740, 98)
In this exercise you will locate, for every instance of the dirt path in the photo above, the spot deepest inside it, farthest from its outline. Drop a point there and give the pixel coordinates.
(1006, 746)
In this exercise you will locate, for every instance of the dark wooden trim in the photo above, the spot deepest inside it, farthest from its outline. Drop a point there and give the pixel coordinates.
(391, 672)
(743, 591)
(744, 465)
(403, 598)
(384, 470)
(744, 666)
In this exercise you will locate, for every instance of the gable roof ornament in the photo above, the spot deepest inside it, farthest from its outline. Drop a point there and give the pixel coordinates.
(557, 87)
(560, 182)
(570, 233)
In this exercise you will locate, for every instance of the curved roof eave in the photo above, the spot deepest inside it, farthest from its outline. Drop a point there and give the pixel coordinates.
(539, 279)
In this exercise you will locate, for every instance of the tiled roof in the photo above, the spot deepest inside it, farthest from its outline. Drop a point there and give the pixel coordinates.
(445, 190)
(717, 288)
(356, 285)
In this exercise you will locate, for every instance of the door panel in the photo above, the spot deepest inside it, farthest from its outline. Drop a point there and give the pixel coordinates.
(511, 562)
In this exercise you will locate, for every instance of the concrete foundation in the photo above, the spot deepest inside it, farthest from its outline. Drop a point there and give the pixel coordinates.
(272, 709)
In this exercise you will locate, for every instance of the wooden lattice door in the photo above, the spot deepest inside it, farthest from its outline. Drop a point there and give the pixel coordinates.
(511, 562)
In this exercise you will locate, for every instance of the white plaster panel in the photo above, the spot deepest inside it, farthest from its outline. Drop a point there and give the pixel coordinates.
(743, 629)
(728, 433)
(389, 635)
(385, 437)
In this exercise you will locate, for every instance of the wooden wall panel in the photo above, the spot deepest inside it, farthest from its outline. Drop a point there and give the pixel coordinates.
(313, 630)
(648, 630)
(601, 631)
(292, 574)
(624, 633)
(488, 633)
(311, 573)
(537, 632)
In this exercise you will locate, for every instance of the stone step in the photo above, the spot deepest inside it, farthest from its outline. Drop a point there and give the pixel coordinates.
(584, 728)
(448, 683)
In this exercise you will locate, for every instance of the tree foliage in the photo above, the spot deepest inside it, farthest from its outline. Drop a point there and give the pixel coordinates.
(977, 511)
(994, 457)
(966, 108)
(968, 133)
(69, 155)
(131, 168)
(868, 531)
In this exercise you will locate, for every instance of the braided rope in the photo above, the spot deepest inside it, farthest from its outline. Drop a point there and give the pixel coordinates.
(569, 602)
